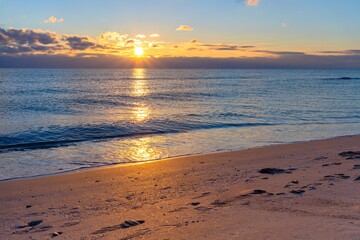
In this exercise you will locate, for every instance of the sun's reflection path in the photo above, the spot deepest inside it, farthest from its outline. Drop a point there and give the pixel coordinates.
(142, 150)
(140, 113)
(140, 89)
(139, 73)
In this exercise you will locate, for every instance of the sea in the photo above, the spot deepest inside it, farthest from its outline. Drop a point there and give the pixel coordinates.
(59, 120)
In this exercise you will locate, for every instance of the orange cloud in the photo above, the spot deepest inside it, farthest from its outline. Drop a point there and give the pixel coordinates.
(252, 3)
(184, 28)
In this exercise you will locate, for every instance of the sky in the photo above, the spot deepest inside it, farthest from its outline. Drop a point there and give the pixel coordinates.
(252, 33)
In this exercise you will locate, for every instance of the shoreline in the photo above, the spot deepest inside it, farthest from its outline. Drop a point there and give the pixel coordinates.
(314, 195)
(112, 165)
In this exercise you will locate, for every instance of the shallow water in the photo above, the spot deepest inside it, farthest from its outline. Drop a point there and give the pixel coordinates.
(59, 120)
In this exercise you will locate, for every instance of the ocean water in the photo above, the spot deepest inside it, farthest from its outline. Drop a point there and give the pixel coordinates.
(56, 120)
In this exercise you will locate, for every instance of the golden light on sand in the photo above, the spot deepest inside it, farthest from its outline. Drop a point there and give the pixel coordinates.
(139, 51)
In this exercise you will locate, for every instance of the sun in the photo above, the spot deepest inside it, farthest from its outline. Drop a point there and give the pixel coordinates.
(139, 51)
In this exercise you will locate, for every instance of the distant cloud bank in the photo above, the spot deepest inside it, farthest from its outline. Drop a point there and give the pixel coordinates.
(283, 62)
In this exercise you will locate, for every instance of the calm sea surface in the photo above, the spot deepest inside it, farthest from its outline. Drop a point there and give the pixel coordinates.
(59, 120)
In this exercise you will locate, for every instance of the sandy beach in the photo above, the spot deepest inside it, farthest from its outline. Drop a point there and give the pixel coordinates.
(307, 190)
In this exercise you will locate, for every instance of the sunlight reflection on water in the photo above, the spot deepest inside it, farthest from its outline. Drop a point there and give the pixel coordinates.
(99, 117)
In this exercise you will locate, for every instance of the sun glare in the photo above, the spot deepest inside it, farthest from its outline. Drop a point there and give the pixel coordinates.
(139, 51)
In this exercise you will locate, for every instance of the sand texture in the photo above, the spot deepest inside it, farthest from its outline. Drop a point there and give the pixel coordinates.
(308, 190)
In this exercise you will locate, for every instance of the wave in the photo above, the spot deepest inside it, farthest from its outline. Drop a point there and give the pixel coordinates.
(343, 78)
(348, 78)
(63, 136)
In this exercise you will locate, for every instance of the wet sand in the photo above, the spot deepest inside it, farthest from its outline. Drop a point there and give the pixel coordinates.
(308, 190)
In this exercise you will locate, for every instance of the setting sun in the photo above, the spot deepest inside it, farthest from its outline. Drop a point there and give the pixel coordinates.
(139, 51)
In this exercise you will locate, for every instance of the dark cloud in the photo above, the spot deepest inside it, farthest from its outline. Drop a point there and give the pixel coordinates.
(80, 43)
(3, 37)
(26, 36)
(247, 46)
(227, 48)
(332, 52)
(343, 52)
(130, 41)
(4, 49)
(354, 51)
(24, 41)
(219, 47)
(282, 53)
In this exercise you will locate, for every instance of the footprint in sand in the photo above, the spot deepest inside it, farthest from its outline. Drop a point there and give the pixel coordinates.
(194, 203)
(272, 171)
(356, 166)
(203, 195)
(31, 224)
(56, 234)
(297, 192)
(350, 155)
(202, 209)
(335, 176)
(124, 225)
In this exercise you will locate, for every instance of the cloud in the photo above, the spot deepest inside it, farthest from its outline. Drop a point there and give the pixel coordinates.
(338, 53)
(284, 24)
(279, 53)
(153, 45)
(227, 48)
(53, 19)
(114, 39)
(247, 46)
(222, 47)
(26, 36)
(140, 36)
(23, 41)
(184, 28)
(252, 3)
(154, 35)
(80, 43)
(28, 41)
(19, 44)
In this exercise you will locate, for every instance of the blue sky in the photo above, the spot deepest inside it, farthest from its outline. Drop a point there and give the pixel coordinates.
(334, 23)
(307, 26)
